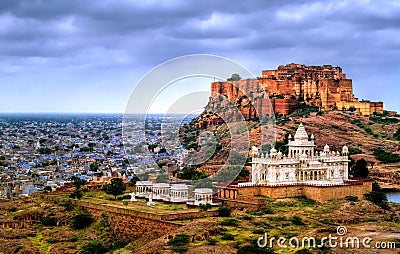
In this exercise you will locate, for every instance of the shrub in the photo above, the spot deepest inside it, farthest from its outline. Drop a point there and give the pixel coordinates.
(354, 150)
(254, 249)
(224, 211)
(205, 207)
(68, 205)
(277, 218)
(74, 238)
(227, 236)
(262, 212)
(386, 157)
(246, 217)
(76, 194)
(258, 231)
(179, 243)
(52, 240)
(351, 198)
(48, 221)
(377, 196)
(211, 241)
(306, 201)
(297, 220)
(94, 247)
(397, 134)
(12, 209)
(119, 245)
(82, 220)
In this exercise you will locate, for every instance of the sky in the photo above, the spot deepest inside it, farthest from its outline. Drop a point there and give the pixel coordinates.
(87, 56)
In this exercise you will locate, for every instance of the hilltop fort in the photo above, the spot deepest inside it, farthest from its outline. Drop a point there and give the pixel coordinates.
(280, 90)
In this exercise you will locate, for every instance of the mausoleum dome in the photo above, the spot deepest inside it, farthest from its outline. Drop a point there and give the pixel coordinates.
(301, 133)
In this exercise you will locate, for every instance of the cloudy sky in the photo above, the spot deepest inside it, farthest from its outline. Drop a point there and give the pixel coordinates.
(86, 56)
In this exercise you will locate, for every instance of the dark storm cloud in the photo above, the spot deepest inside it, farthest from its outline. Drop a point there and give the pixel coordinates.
(359, 35)
(171, 28)
(56, 27)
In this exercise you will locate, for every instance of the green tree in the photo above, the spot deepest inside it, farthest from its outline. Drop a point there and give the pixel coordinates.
(45, 150)
(244, 173)
(360, 170)
(47, 189)
(78, 182)
(191, 173)
(115, 188)
(133, 180)
(94, 167)
(162, 178)
(234, 77)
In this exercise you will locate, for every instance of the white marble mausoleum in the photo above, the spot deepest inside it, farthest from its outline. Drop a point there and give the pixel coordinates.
(302, 164)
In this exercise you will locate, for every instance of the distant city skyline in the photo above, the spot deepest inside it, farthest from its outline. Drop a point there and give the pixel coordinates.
(86, 57)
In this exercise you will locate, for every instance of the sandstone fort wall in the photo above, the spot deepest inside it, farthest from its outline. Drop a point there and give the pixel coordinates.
(315, 192)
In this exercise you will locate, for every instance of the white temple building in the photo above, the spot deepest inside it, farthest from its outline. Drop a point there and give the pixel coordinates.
(174, 193)
(203, 196)
(302, 165)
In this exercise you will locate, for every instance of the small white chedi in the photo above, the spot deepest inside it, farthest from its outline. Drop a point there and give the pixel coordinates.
(302, 165)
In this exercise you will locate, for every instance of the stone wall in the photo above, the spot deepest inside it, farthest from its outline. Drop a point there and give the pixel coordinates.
(315, 192)
(130, 224)
(323, 194)
(132, 227)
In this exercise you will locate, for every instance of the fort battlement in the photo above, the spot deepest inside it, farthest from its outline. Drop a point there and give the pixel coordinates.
(280, 90)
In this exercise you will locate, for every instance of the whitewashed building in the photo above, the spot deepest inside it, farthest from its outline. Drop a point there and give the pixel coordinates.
(301, 165)
(203, 196)
(179, 193)
(161, 191)
(144, 188)
(175, 193)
